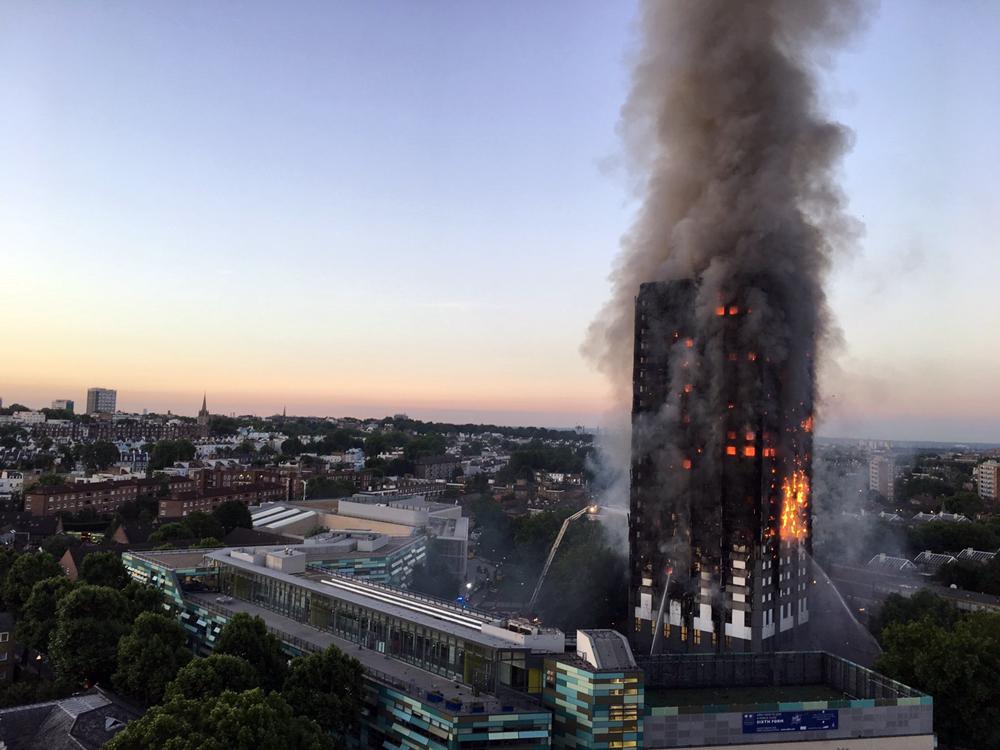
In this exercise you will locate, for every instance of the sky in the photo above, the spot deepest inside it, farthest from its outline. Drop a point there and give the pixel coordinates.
(369, 208)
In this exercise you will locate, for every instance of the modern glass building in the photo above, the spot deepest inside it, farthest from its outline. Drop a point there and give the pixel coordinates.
(596, 695)
(444, 677)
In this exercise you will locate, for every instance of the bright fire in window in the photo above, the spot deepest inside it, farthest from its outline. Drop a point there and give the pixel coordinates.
(794, 505)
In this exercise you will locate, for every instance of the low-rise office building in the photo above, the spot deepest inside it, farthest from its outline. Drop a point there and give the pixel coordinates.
(443, 677)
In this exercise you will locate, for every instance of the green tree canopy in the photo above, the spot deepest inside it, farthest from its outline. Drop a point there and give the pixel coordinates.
(211, 677)
(38, 618)
(232, 514)
(247, 637)
(250, 720)
(150, 656)
(24, 573)
(99, 456)
(142, 598)
(84, 644)
(328, 688)
(170, 532)
(959, 666)
(104, 569)
(166, 452)
(201, 524)
(898, 609)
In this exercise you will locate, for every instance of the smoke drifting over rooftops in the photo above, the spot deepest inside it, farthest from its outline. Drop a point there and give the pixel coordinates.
(735, 164)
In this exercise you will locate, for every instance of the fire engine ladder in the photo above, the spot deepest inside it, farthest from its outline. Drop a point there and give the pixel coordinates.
(552, 554)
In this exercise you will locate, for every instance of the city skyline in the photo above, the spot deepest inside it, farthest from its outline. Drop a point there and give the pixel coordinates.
(232, 207)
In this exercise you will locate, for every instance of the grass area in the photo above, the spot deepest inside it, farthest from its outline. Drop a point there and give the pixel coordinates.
(741, 695)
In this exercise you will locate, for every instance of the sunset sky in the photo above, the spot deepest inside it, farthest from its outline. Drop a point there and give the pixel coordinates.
(365, 208)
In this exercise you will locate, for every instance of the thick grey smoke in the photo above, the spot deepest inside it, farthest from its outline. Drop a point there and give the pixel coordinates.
(734, 162)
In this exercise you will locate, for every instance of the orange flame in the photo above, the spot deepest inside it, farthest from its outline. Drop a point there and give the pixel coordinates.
(807, 424)
(794, 502)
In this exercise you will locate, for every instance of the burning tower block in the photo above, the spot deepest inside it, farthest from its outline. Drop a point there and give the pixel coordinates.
(720, 519)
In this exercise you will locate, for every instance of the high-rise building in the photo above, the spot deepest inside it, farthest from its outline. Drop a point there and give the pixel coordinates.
(720, 521)
(988, 480)
(882, 475)
(63, 403)
(101, 400)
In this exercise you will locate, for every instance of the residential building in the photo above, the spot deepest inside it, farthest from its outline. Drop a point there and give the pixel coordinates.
(84, 721)
(988, 480)
(437, 467)
(182, 503)
(882, 475)
(102, 497)
(11, 482)
(64, 403)
(720, 519)
(102, 400)
(28, 417)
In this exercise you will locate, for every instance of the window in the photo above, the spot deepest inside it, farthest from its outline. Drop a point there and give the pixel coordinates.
(4, 637)
(684, 632)
(697, 637)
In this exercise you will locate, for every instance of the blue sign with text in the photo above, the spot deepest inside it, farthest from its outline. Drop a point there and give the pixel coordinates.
(788, 721)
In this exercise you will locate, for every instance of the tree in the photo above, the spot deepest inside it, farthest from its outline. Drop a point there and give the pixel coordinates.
(328, 688)
(142, 598)
(201, 524)
(170, 532)
(959, 666)
(51, 480)
(84, 644)
(210, 541)
(165, 452)
(212, 676)
(38, 618)
(99, 456)
(24, 573)
(292, 447)
(247, 637)
(898, 609)
(251, 720)
(231, 514)
(58, 544)
(104, 569)
(326, 487)
(150, 656)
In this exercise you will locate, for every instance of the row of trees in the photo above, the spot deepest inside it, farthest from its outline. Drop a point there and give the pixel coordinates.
(209, 528)
(955, 657)
(106, 629)
(246, 695)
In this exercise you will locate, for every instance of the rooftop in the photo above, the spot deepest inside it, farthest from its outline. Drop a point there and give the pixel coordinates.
(407, 678)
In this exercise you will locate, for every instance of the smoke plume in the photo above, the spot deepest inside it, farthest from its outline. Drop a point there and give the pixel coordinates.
(734, 164)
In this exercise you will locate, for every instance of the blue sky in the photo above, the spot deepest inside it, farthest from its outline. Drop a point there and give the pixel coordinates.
(375, 207)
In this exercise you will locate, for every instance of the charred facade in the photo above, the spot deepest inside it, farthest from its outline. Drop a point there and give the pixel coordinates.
(720, 520)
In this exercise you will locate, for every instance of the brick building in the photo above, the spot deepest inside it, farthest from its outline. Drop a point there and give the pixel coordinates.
(102, 497)
(180, 504)
(437, 467)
